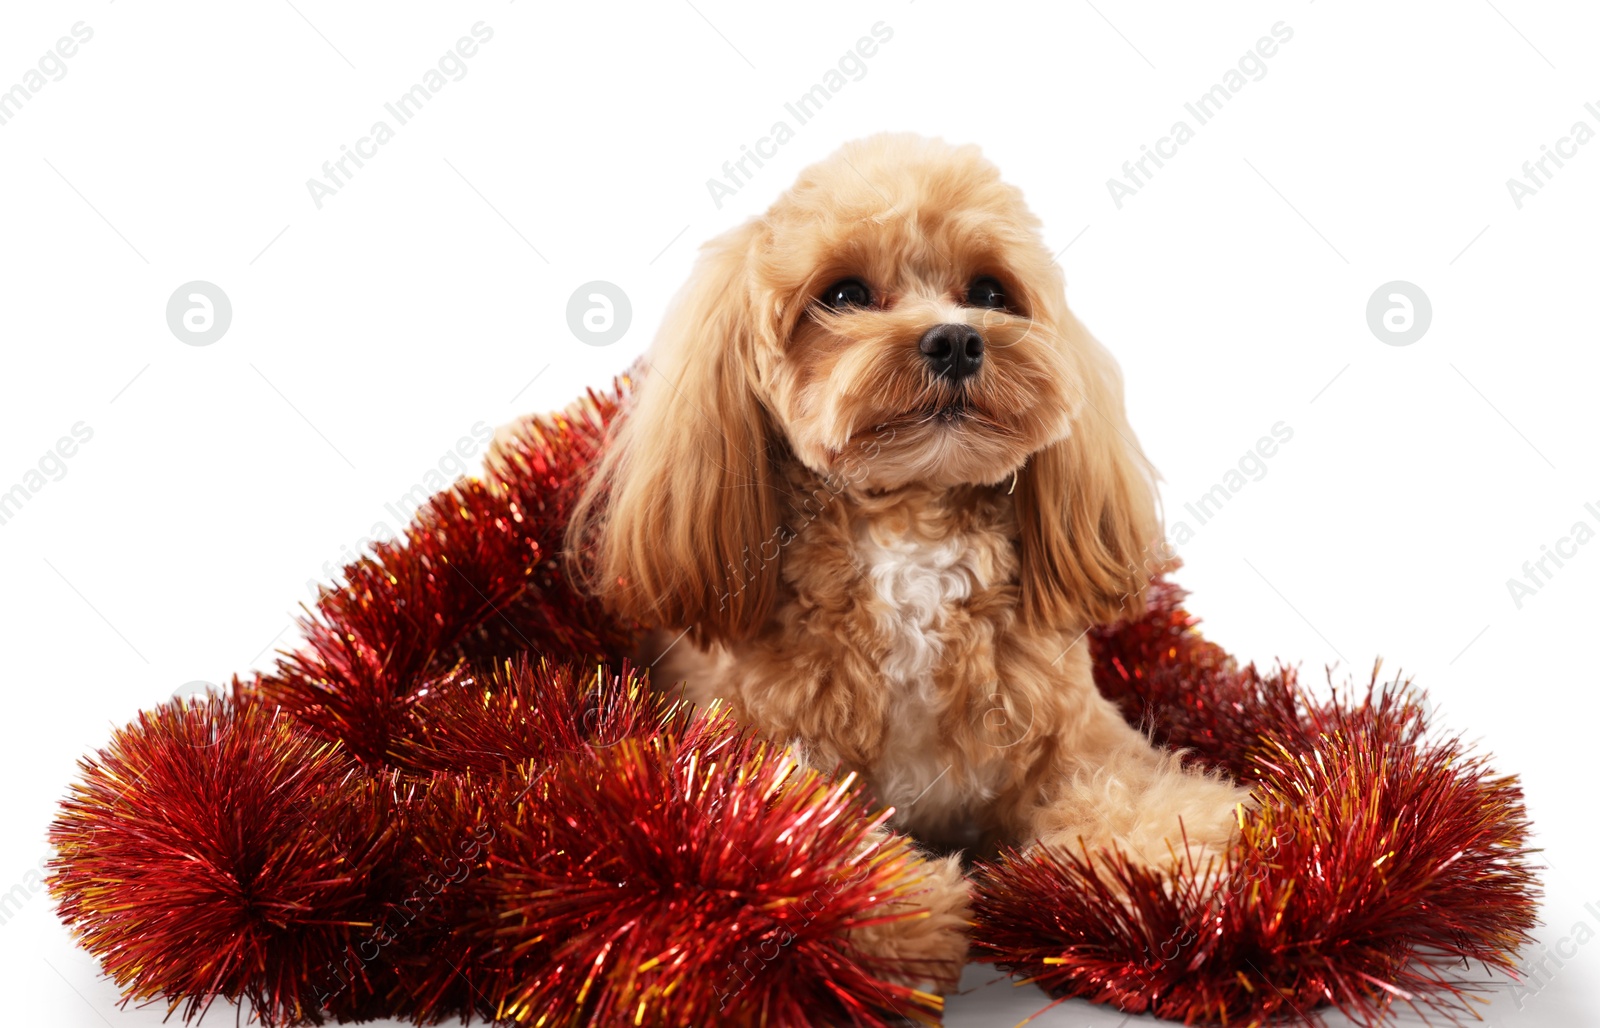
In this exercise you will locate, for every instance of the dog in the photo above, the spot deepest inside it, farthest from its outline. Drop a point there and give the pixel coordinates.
(880, 482)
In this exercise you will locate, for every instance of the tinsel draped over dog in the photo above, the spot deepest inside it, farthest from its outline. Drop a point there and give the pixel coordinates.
(454, 800)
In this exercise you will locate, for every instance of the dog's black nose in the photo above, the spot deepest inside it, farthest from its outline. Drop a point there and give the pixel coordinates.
(952, 351)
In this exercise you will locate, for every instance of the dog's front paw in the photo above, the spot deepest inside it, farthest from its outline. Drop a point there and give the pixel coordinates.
(1149, 810)
(927, 948)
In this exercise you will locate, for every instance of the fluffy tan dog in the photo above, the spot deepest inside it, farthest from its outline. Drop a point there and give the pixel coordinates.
(881, 478)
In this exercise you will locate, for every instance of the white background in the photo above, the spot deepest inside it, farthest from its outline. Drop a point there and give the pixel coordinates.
(429, 294)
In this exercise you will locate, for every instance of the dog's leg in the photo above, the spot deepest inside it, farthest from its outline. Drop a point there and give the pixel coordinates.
(1114, 790)
(926, 949)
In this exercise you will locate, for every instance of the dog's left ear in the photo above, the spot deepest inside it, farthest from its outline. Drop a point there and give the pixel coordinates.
(1086, 507)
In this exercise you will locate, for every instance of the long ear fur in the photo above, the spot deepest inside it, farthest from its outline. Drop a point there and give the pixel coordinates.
(1086, 507)
(679, 525)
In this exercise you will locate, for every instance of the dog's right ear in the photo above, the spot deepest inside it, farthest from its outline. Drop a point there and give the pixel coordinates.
(679, 526)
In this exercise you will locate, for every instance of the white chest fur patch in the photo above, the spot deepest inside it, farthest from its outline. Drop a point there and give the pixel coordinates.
(917, 582)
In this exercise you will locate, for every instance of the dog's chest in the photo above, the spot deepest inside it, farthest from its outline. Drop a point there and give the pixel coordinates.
(913, 584)
(917, 588)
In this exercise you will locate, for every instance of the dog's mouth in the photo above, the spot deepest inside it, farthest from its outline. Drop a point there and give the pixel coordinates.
(950, 438)
(945, 413)
(957, 410)
(949, 413)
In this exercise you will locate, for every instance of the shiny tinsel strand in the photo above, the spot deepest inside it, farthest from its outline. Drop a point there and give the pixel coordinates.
(525, 711)
(1380, 865)
(214, 849)
(676, 879)
(477, 578)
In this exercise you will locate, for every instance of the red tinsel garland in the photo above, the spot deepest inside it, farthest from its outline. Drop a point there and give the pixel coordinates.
(1379, 865)
(217, 849)
(477, 578)
(443, 806)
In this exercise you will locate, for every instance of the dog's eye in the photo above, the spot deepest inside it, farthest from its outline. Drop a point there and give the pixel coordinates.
(847, 292)
(986, 292)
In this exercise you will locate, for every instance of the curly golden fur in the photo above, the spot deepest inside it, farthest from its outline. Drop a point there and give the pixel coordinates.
(889, 567)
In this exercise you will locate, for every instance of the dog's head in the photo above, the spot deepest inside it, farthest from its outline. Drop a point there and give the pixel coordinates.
(895, 318)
